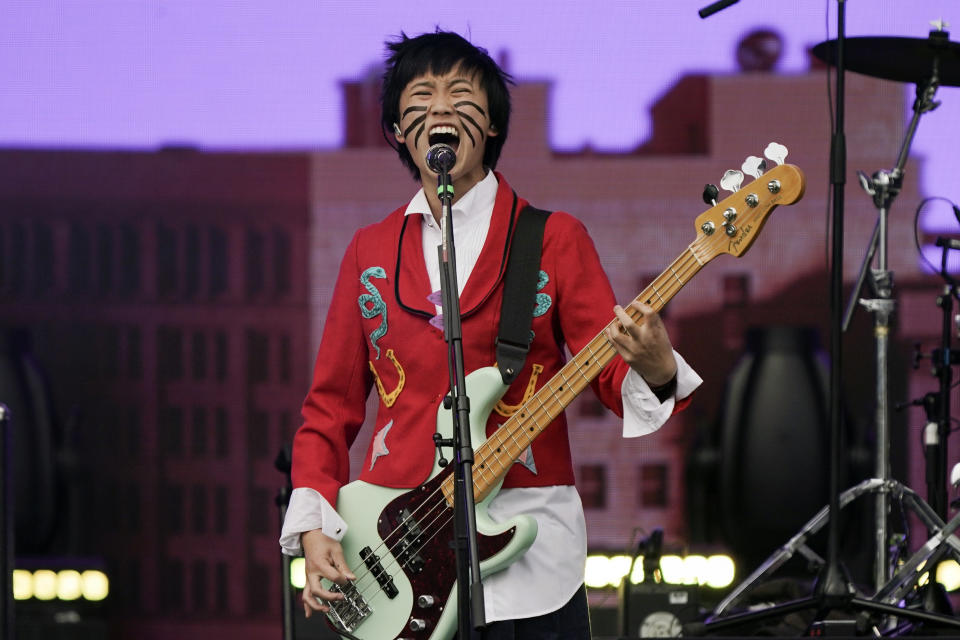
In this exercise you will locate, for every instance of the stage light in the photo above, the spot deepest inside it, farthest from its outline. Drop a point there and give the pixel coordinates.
(720, 571)
(948, 574)
(602, 570)
(44, 584)
(69, 585)
(22, 584)
(298, 573)
(95, 585)
(66, 585)
(674, 571)
(607, 571)
(715, 571)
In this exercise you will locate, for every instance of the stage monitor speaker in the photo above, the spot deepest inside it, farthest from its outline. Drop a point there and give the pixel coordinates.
(656, 610)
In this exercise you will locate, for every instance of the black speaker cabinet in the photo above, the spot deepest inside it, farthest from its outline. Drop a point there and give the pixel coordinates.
(656, 610)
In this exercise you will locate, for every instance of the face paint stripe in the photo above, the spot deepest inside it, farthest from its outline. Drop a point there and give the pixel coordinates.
(471, 104)
(416, 141)
(411, 109)
(466, 129)
(413, 125)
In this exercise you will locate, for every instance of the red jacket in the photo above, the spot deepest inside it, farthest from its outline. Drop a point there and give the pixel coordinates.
(379, 316)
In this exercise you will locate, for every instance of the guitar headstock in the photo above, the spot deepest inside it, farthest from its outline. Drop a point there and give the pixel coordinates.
(731, 225)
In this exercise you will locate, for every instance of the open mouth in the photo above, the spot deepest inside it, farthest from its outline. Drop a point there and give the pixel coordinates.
(444, 134)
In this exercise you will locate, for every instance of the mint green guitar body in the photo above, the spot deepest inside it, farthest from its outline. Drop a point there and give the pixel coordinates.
(398, 543)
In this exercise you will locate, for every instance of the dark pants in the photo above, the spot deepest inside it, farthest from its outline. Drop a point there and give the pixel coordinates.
(569, 622)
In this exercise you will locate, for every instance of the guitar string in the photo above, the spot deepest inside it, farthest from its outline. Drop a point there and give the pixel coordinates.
(555, 404)
(604, 349)
(701, 243)
(599, 358)
(444, 507)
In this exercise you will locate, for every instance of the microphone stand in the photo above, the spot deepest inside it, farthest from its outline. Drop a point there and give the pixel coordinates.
(282, 463)
(469, 587)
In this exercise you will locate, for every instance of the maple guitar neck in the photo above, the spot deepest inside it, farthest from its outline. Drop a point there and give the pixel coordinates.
(729, 227)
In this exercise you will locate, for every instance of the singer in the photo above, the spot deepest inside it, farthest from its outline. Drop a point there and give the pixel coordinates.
(382, 332)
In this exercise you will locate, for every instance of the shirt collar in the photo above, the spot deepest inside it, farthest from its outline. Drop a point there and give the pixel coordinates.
(480, 197)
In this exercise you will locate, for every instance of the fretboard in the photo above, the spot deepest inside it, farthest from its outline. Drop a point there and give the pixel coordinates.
(497, 454)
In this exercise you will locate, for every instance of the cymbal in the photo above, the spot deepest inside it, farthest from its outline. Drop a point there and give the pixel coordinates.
(899, 59)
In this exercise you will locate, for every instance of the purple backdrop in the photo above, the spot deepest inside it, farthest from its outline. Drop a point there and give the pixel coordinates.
(257, 74)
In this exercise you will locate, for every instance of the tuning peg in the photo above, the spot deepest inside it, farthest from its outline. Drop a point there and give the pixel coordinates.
(710, 193)
(776, 152)
(731, 180)
(754, 166)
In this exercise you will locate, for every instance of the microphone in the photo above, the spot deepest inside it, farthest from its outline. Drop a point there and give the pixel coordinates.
(441, 158)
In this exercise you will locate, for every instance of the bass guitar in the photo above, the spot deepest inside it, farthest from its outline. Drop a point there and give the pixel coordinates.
(398, 541)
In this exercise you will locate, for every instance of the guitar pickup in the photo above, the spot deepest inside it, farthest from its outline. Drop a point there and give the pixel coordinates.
(409, 523)
(411, 534)
(373, 563)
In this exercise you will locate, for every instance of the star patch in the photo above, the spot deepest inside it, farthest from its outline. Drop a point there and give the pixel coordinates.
(380, 444)
(526, 459)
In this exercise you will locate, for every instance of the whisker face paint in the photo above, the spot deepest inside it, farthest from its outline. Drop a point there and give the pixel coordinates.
(410, 110)
(464, 118)
(468, 103)
(418, 120)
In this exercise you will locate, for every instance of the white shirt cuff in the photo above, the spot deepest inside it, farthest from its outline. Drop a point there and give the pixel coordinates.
(308, 510)
(643, 413)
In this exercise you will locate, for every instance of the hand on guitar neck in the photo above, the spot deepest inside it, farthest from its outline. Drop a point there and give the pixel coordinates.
(324, 559)
(642, 341)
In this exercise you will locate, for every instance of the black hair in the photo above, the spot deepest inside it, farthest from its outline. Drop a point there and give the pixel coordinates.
(438, 53)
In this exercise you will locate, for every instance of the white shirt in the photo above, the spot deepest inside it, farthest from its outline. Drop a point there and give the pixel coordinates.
(545, 577)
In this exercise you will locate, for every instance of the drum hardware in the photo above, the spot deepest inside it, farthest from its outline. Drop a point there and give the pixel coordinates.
(928, 63)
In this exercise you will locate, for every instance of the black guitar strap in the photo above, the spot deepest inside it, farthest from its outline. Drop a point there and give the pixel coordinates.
(519, 291)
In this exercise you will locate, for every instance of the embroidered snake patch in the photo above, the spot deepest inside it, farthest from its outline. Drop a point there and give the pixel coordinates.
(372, 304)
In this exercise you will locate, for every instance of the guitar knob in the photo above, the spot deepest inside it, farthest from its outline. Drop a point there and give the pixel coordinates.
(416, 624)
(425, 602)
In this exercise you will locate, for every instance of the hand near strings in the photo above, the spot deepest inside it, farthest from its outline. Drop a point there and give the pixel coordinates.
(643, 343)
(323, 559)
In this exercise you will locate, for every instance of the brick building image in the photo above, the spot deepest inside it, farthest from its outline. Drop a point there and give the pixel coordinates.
(174, 300)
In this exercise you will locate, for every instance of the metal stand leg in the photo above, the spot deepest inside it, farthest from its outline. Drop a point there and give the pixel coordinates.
(282, 464)
(6, 523)
(941, 543)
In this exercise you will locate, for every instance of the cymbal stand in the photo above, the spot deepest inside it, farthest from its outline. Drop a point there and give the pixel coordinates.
(884, 186)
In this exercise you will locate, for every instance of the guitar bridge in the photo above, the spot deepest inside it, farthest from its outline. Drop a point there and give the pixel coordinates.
(350, 611)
